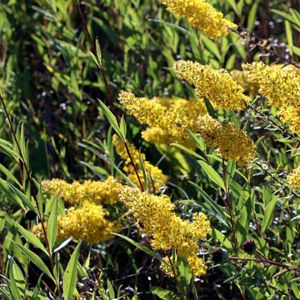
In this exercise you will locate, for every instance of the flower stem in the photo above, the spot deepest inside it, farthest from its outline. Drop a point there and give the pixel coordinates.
(266, 261)
(108, 90)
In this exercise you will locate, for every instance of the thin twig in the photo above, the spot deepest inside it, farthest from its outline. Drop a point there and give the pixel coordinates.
(275, 179)
(266, 261)
(281, 128)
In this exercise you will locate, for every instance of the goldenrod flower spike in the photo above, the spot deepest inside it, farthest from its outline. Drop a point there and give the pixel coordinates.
(106, 192)
(88, 223)
(232, 144)
(217, 85)
(167, 230)
(169, 120)
(241, 78)
(290, 115)
(281, 86)
(156, 177)
(294, 179)
(202, 16)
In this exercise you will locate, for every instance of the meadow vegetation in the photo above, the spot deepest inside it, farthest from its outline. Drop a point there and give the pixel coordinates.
(149, 149)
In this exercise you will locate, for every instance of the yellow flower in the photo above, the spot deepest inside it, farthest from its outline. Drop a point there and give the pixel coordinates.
(217, 85)
(290, 115)
(106, 192)
(241, 78)
(202, 16)
(169, 120)
(88, 223)
(232, 144)
(197, 266)
(167, 267)
(281, 86)
(167, 230)
(156, 178)
(294, 179)
(144, 110)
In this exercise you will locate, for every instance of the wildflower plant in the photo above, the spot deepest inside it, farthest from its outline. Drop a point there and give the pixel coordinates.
(160, 160)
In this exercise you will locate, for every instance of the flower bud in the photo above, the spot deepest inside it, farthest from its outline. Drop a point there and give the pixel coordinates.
(220, 255)
(249, 247)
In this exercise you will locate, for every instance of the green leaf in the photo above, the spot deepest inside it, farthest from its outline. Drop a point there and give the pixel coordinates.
(234, 6)
(31, 238)
(36, 260)
(70, 275)
(210, 109)
(111, 291)
(212, 174)
(98, 50)
(9, 174)
(24, 198)
(12, 284)
(214, 209)
(184, 275)
(296, 290)
(163, 293)
(123, 127)
(19, 277)
(269, 214)
(296, 50)
(95, 59)
(2, 220)
(37, 288)
(6, 148)
(252, 16)
(140, 246)
(4, 292)
(186, 150)
(289, 35)
(98, 171)
(211, 46)
(224, 241)
(11, 195)
(52, 225)
(112, 120)
(287, 17)
(21, 139)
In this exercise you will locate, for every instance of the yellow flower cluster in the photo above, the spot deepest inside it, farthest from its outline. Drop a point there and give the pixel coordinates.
(86, 219)
(232, 144)
(155, 176)
(88, 223)
(241, 78)
(167, 230)
(281, 86)
(202, 16)
(217, 85)
(290, 115)
(106, 192)
(169, 120)
(294, 179)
